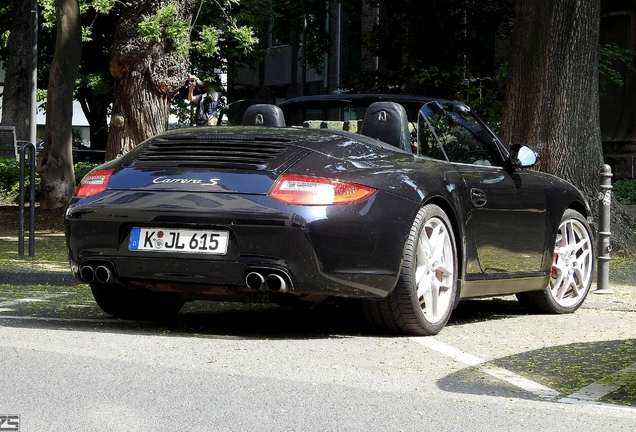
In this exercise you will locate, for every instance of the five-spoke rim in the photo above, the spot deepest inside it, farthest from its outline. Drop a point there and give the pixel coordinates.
(434, 272)
(572, 263)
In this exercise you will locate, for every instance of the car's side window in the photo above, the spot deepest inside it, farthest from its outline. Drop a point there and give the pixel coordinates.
(447, 131)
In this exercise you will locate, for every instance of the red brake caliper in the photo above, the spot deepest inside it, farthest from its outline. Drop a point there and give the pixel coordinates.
(555, 257)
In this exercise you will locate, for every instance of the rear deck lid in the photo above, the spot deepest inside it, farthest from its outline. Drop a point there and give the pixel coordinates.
(213, 162)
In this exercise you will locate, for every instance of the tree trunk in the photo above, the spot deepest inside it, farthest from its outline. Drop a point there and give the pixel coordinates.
(147, 76)
(552, 89)
(96, 112)
(55, 164)
(15, 100)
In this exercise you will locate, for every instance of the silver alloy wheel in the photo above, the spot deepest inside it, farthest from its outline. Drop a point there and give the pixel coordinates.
(426, 291)
(572, 263)
(434, 272)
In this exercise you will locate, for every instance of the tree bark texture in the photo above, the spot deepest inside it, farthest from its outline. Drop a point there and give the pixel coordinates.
(55, 164)
(147, 76)
(552, 88)
(15, 105)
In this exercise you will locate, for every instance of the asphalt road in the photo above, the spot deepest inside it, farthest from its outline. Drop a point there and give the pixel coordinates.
(240, 367)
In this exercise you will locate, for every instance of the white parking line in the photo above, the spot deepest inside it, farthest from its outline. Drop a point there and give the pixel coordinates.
(524, 383)
(595, 391)
(450, 351)
(499, 373)
(588, 395)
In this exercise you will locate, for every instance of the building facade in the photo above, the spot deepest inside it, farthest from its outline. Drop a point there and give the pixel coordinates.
(280, 75)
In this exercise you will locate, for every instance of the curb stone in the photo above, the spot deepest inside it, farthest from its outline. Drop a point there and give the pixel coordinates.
(25, 277)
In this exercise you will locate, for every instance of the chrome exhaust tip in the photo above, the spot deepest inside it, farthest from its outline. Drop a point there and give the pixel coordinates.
(276, 283)
(103, 275)
(87, 273)
(254, 280)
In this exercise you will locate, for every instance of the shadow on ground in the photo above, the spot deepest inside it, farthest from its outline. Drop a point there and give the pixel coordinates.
(567, 369)
(48, 306)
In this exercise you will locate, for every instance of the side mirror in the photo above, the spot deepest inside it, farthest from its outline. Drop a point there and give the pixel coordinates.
(523, 156)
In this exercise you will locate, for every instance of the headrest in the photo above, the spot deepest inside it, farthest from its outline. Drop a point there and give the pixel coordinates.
(264, 115)
(388, 122)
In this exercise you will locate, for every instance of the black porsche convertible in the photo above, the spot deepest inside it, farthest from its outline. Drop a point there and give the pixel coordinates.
(407, 217)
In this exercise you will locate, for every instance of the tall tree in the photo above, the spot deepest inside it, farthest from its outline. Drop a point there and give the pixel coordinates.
(148, 70)
(94, 85)
(15, 109)
(552, 89)
(93, 88)
(55, 164)
(150, 60)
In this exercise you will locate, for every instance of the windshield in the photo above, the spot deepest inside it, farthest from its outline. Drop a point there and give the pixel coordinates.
(450, 131)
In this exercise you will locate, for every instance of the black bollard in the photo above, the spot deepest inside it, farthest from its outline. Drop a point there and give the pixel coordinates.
(604, 247)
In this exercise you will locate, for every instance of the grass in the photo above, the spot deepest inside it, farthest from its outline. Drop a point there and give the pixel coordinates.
(50, 246)
(49, 253)
(570, 368)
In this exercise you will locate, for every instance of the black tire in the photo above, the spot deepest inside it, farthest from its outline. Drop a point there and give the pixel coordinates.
(572, 269)
(136, 304)
(405, 310)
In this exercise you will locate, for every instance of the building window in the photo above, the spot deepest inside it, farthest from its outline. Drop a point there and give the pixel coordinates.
(280, 25)
(351, 38)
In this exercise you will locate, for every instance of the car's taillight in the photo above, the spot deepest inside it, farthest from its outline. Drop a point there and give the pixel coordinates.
(93, 183)
(297, 189)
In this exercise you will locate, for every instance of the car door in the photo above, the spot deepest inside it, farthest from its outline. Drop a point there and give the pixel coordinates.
(505, 208)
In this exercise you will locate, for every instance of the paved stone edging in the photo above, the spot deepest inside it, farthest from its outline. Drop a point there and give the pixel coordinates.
(25, 277)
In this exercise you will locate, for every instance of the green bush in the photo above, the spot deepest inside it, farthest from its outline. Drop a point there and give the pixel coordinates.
(625, 191)
(9, 175)
(83, 168)
(10, 179)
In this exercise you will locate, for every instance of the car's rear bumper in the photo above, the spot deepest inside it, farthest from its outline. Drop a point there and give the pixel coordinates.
(322, 250)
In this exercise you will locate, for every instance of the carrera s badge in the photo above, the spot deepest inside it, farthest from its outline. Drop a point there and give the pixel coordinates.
(211, 182)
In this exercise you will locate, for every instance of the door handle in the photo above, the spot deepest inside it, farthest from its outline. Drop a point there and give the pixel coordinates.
(478, 197)
(494, 180)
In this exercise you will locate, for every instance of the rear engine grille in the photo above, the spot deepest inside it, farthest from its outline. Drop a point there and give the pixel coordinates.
(252, 153)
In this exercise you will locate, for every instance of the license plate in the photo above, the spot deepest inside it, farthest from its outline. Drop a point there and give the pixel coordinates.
(179, 240)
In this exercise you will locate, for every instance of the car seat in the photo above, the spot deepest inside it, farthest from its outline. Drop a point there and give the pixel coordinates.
(388, 122)
(263, 115)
